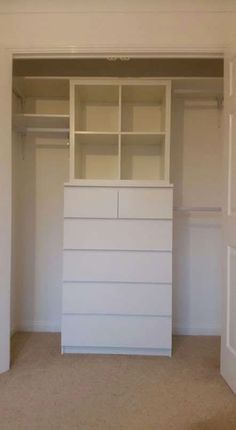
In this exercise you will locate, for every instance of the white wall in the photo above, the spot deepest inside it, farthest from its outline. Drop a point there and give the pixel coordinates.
(40, 173)
(197, 176)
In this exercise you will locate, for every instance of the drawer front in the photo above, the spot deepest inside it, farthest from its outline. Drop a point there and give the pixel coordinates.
(116, 331)
(120, 299)
(118, 234)
(85, 202)
(118, 266)
(146, 203)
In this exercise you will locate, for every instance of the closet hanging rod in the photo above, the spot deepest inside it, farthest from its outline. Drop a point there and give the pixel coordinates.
(200, 93)
(217, 209)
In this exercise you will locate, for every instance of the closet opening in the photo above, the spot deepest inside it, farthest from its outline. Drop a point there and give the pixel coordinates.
(41, 165)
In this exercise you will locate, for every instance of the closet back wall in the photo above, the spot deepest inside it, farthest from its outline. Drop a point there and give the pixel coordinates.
(38, 177)
(196, 171)
(39, 173)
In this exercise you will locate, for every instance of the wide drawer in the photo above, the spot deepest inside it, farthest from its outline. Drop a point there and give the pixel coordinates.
(86, 202)
(118, 266)
(118, 234)
(146, 203)
(120, 299)
(116, 331)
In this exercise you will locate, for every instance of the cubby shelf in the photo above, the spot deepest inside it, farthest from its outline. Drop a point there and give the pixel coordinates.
(120, 129)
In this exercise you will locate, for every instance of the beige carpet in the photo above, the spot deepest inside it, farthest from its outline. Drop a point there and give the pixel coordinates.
(45, 390)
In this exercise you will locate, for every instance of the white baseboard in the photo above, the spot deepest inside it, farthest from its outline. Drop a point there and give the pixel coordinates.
(39, 326)
(179, 329)
(112, 350)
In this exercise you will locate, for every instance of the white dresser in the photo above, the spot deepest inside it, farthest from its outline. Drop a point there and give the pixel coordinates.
(117, 284)
(117, 288)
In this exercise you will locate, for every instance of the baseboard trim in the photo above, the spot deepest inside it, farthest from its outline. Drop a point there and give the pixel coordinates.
(179, 329)
(118, 351)
(39, 326)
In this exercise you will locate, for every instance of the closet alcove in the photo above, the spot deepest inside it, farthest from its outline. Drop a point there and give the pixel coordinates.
(119, 134)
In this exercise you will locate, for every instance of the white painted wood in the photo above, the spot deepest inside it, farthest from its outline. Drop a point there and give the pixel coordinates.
(116, 298)
(228, 343)
(120, 351)
(23, 122)
(118, 234)
(6, 207)
(116, 331)
(72, 129)
(120, 105)
(118, 266)
(118, 184)
(146, 203)
(90, 202)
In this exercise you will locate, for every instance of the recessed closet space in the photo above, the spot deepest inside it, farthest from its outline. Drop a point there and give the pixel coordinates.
(113, 130)
(40, 168)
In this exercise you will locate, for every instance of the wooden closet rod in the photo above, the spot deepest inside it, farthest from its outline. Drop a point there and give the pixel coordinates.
(198, 209)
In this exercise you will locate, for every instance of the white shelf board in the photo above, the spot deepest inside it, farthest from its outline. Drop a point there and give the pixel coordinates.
(118, 183)
(26, 122)
(143, 133)
(94, 133)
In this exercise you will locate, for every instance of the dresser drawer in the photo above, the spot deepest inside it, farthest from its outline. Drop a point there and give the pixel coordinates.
(116, 331)
(120, 299)
(146, 203)
(118, 266)
(155, 235)
(87, 202)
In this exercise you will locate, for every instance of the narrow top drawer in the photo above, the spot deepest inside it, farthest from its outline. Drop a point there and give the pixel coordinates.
(144, 203)
(86, 202)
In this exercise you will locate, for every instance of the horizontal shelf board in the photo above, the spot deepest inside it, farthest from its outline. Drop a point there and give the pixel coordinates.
(122, 133)
(118, 183)
(94, 133)
(41, 121)
(46, 131)
(107, 314)
(143, 133)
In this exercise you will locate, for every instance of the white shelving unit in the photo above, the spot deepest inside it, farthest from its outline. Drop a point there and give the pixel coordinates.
(117, 283)
(120, 129)
(43, 105)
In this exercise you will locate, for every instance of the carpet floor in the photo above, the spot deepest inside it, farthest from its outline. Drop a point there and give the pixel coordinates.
(47, 391)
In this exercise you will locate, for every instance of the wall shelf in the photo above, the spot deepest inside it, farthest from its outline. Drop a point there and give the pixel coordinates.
(25, 122)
